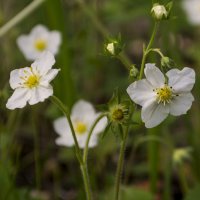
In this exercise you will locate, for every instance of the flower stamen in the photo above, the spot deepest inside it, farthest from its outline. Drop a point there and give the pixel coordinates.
(164, 94)
(40, 45)
(80, 127)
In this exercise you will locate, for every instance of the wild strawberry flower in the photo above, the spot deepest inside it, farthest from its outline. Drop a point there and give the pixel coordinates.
(192, 9)
(32, 84)
(40, 39)
(160, 97)
(83, 116)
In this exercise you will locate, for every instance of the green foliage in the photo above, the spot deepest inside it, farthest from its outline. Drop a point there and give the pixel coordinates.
(130, 193)
(193, 194)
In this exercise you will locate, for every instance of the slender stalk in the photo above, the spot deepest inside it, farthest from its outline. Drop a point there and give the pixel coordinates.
(36, 153)
(83, 165)
(85, 155)
(183, 180)
(120, 164)
(153, 156)
(65, 111)
(86, 181)
(126, 62)
(101, 28)
(146, 50)
(20, 16)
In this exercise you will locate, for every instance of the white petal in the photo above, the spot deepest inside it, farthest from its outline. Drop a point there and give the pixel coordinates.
(18, 99)
(46, 79)
(100, 126)
(82, 141)
(141, 91)
(65, 141)
(181, 104)
(93, 141)
(83, 110)
(83, 138)
(15, 78)
(54, 41)
(25, 44)
(154, 75)
(61, 126)
(153, 113)
(39, 94)
(181, 81)
(39, 31)
(192, 9)
(44, 63)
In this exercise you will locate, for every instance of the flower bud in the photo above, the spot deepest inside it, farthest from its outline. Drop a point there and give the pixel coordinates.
(167, 62)
(111, 48)
(133, 71)
(159, 12)
(181, 154)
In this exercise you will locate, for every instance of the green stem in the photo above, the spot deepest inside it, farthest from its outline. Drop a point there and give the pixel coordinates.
(183, 180)
(153, 156)
(125, 61)
(65, 111)
(20, 16)
(36, 153)
(85, 155)
(83, 165)
(101, 28)
(86, 181)
(120, 164)
(146, 51)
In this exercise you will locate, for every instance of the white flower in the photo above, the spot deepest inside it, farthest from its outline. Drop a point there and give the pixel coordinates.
(32, 84)
(158, 98)
(192, 8)
(83, 116)
(159, 12)
(39, 40)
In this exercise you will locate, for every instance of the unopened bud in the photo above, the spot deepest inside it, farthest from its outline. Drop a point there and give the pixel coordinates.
(111, 48)
(159, 12)
(133, 71)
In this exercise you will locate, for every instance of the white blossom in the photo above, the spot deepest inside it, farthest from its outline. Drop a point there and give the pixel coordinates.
(32, 84)
(160, 97)
(40, 39)
(83, 116)
(192, 9)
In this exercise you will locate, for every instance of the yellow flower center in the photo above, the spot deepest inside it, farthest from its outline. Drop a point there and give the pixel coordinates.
(164, 94)
(80, 127)
(32, 81)
(118, 114)
(40, 45)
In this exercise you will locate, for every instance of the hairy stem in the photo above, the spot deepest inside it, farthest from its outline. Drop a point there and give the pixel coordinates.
(146, 50)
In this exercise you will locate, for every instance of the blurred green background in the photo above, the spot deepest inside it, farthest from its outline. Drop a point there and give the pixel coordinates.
(87, 73)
